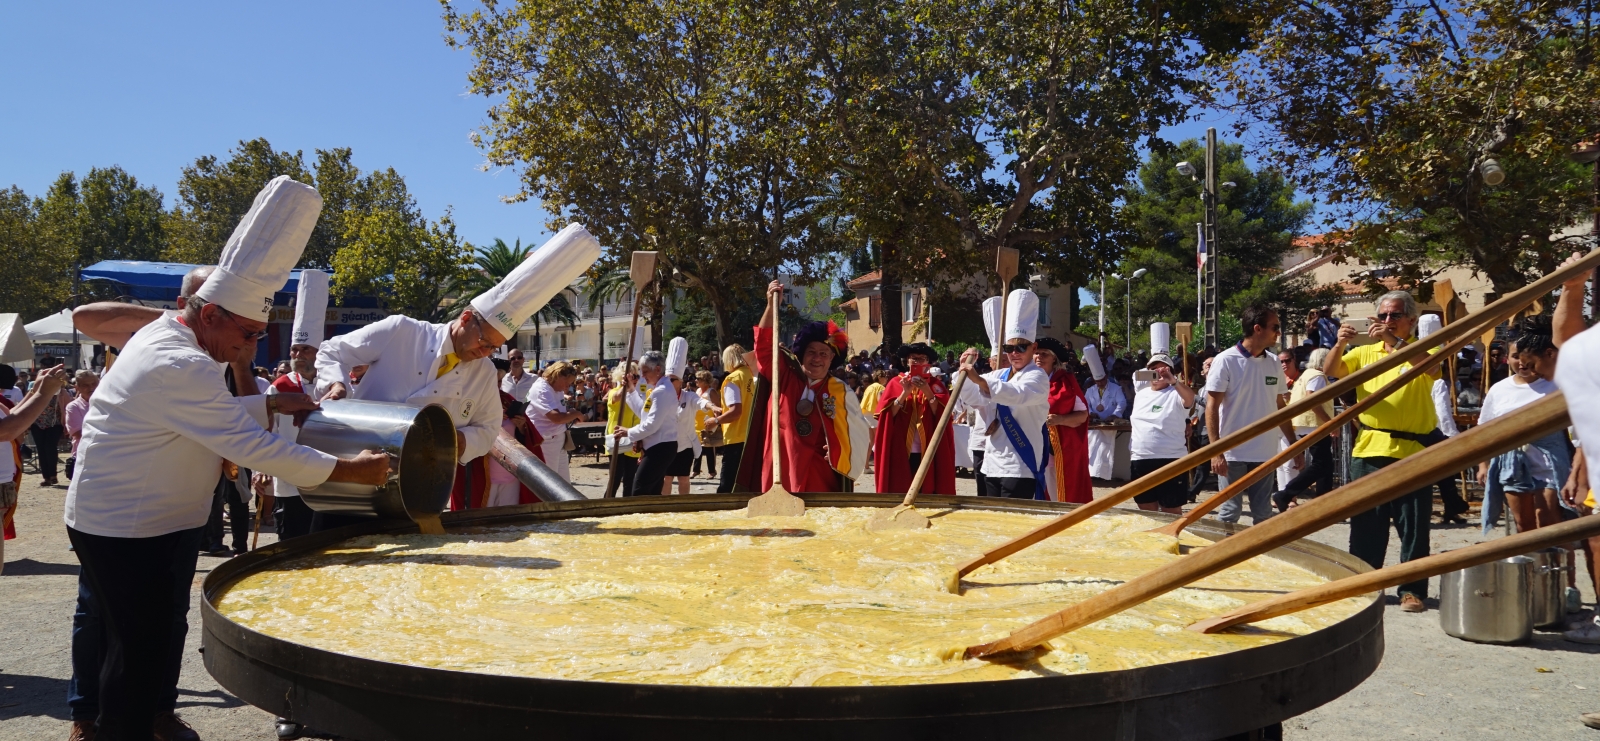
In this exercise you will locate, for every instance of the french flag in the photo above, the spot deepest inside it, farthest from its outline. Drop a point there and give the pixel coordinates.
(1200, 246)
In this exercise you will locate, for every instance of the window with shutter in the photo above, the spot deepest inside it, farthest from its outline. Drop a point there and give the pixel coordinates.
(874, 312)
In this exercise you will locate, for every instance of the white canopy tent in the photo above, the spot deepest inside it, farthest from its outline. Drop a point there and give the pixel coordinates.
(53, 335)
(14, 343)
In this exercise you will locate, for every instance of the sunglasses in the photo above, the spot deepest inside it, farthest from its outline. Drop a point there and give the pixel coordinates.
(1391, 316)
(1019, 347)
(248, 335)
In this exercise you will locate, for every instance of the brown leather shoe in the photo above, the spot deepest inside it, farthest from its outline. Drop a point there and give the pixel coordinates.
(82, 730)
(169, 727)
(1591, 720)
(1412, 603)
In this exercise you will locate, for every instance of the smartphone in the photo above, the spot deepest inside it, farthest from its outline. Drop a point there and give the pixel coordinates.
(1360, 325)
(1144, 376)
(918, 371)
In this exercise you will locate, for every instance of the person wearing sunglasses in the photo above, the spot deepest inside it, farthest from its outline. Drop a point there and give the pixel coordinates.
(1017, 397)
(418, 363)
(1397, 427)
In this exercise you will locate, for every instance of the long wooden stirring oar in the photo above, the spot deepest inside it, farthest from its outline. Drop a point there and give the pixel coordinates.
(1531, 422)
(1422, 568)
(1307, 440)
(642, 271)
(905, 516)
(1485, 318)
(777, 502)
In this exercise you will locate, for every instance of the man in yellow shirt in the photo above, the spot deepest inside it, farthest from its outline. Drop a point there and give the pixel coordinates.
(870, 394)
(1391, 430)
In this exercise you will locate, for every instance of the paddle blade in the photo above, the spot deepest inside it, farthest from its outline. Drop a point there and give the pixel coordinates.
(777, 503)
(899, 518)
(642, 268)
(1172, 528)
(952, 583)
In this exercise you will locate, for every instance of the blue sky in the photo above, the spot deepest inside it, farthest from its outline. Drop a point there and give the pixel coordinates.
(152, 86)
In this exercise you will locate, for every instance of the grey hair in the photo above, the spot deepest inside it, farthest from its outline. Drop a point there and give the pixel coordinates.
(1317, 358)
(85, 375)
(652, 359)
(195, 278)
(1408, 303)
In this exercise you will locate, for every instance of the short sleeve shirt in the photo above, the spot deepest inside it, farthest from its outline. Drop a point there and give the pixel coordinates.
(1158, 420)
(1252, 386)
(1409, 409)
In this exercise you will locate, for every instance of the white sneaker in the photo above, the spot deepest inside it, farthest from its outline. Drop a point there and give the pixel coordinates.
(1574, 600)
(1587, 634)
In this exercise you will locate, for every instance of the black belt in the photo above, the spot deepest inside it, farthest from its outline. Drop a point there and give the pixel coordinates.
(1424, 439)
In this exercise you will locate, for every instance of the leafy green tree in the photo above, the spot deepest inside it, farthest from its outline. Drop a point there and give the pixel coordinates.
(118, 218)
(37, 273)
(213, 195)
(1390, 112)
(346, 190)
(410, 264)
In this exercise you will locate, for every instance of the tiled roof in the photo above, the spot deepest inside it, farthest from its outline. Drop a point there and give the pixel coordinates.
(867, 281)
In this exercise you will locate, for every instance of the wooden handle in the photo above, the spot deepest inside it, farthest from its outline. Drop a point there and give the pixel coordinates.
(1262, 471)
(1531, 422)
(642, 270)
(932, 451)
(777, 358)
(1486, 318)
(1422, 568)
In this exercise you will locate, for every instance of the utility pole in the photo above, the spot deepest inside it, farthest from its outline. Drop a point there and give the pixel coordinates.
(1213, 250)
(1101, 341)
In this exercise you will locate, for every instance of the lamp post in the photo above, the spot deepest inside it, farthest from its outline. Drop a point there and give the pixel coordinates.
(1128, 316)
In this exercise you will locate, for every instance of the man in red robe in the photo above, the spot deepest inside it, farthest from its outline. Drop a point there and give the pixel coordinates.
(1067, 474)
(908, 411)
(823, 433)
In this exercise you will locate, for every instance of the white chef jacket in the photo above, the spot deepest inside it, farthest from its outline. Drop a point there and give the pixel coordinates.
(689, 403)
(155, 435)
(1442, 410)
(658, 419)
(519, 388)
(542, 400)
(1027, 393)
(284, 427)
(404, 356)
(1115, 402)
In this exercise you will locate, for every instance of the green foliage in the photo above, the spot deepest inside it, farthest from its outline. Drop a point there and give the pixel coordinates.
(118, 219)
(1387, 110)
(409, 263)
(213, 195)
(35, 284)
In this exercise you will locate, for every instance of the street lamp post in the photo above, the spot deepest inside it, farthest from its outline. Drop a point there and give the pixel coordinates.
(1128, 316)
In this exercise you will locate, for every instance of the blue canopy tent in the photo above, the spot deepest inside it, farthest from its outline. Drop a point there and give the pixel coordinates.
(157, 284)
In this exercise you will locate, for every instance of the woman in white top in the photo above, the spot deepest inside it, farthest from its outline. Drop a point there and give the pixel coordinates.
(1160, 417)
(1529, 476)
(547, 409)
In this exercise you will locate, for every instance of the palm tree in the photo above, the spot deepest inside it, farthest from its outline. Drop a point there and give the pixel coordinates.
(610, 285)
(491, 266)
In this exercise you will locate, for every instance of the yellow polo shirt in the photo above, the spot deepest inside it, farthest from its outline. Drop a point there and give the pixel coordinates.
(869, 399)
(1409, 409)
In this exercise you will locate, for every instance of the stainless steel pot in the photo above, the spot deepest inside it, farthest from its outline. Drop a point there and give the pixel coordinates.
(1488, 603)
(1547, 594)
(422, 442)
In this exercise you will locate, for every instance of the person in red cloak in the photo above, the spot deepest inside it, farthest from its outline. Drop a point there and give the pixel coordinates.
(470, 490)
(908, 411)
(1068, 434)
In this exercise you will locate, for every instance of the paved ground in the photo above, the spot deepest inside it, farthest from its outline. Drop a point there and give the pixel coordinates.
(1429, 686)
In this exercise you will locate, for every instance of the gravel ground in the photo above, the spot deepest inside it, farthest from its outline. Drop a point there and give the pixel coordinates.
(1429, 685)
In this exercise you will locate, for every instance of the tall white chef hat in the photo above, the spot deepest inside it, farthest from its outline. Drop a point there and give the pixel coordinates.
(1022, 315)
(539, 278)
(1428, 324)
(310, 308)
(991, 323)
(677, 356)
(1091, 355)
(257, 259)
(1160, 338)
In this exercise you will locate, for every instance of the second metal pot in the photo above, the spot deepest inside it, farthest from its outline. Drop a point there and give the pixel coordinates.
(1488, 603)
(422, 441)
(1548, 591)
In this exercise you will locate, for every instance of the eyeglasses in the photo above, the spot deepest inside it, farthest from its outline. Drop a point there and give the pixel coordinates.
(1019, 347)
(248, 335)
(1390, 316)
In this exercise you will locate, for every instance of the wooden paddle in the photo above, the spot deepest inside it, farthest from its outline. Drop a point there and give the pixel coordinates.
(1005, 265)
(1349, 414)
(1422, 568)
(777, 502)
(642, 271)
(1531, 422)
(905, 516)
(1484, 319)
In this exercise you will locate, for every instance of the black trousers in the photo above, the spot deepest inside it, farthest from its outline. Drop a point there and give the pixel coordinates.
(1409, 514)
(1319, 473)
(47, 439)
(1017, 488)
(1450, 497)
(140, 590)
(227, 493)
(977, 473)
(731, 455)
(709, 455)
(294, 517)
(653, 469)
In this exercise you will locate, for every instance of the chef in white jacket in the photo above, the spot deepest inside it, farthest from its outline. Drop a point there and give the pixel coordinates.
(154, 439)
(689, 403)
(420, 363)
(1018, 397)
(656, 435)
(310, 315)
(1107, 404)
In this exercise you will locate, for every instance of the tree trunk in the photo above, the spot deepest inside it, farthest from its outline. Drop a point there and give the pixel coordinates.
(602, 349)
(538, 344)
(656, 317)
(891, 303)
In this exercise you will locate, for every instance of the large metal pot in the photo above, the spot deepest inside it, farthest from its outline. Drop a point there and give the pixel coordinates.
(1199, 699)
(1488, 603)
(421, 440)
(1547, 592)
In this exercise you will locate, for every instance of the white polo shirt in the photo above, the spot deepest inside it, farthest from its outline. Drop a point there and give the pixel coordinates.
(1253, 386)
(1158, 420)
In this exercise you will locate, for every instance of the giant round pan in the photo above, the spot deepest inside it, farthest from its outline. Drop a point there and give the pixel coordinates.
(1201, 699)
